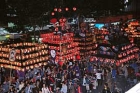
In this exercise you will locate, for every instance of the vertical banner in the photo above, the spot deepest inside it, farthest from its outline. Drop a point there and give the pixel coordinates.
(12, 55)
(53, 56)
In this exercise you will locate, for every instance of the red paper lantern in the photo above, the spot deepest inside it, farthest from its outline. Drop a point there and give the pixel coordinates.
(74, 8)
(91, 59)
(53, 20)
(66, 9)
(78, 57)
(117, 64)
(55, 9)
(52, 13)
(60, 63)
(59, 10)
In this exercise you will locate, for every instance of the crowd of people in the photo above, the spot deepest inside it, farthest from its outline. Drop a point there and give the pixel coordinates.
(81, 76)
(72, 77)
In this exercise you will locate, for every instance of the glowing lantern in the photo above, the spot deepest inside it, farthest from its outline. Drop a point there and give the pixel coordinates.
(52, 14)
(74, 8)
(67, 9)
(60, 63)
(78, 57)
(91, 59)
(53, 20)
(59, 10)
(117, 64)
(55, 9)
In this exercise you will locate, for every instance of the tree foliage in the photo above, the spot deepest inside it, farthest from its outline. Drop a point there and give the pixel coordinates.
(88, 6)
(29, 12)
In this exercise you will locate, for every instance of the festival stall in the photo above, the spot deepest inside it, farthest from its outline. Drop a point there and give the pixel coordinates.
(133, 30)
(61, 46)
(85, 43)
(115, 54)
(102, 35)
(23, 56)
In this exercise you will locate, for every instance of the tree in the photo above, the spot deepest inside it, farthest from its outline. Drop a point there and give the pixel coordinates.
(3, 12)
(100, 6)
(29, 12)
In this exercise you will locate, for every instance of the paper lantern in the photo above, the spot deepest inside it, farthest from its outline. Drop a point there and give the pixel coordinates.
(52, 13)
(60, 63)
(78, 57)
(66, 8)
(59, 10)
(91, 59)
(53, 20)
(74, 8)
(117, 64)
(55, 9)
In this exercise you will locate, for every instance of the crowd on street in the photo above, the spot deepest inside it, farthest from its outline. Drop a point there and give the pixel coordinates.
(81, 76)
(72, 77)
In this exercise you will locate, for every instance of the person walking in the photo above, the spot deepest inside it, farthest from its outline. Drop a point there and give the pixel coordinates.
(106, 89)
(71, 88)
(28, 89)
(45, 89)
(99, 77)
(64, 87)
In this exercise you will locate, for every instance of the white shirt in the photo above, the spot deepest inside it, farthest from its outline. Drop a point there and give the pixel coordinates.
(45, 90)
(98, 75)
(84, 82)
(21, 86)
(64, 89)
(94, 70)
(94, 83)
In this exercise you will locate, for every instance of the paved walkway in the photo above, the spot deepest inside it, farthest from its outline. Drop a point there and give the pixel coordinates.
(121, 83)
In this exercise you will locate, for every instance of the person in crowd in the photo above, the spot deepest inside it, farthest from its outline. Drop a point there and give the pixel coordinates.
(116, 89)
(99, 77)
(71, 88)
(78, 77)
(106, 89)
(77, 71)
(114, 74)
(28, 88)
(109, 77)
(21, 85)
(94, 84)
(35, 89)
(38, 76)
(45, 89)
(64, 87)
(85, 83)
(94, 69)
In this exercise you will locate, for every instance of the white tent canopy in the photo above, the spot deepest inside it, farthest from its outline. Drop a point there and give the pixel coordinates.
(135, 89)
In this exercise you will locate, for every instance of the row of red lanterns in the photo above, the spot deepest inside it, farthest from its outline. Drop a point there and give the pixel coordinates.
(23, 69)
(3, 61)
(35, 60)
(34, 55)
(123, 54)
(130, 57)
(51, 35)
(66, 9)
(54, 38)
(127, 46)
(60, 10)
(68, 51)
(57, 42)
(28, 62)
(67, 57)
(72, 45)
